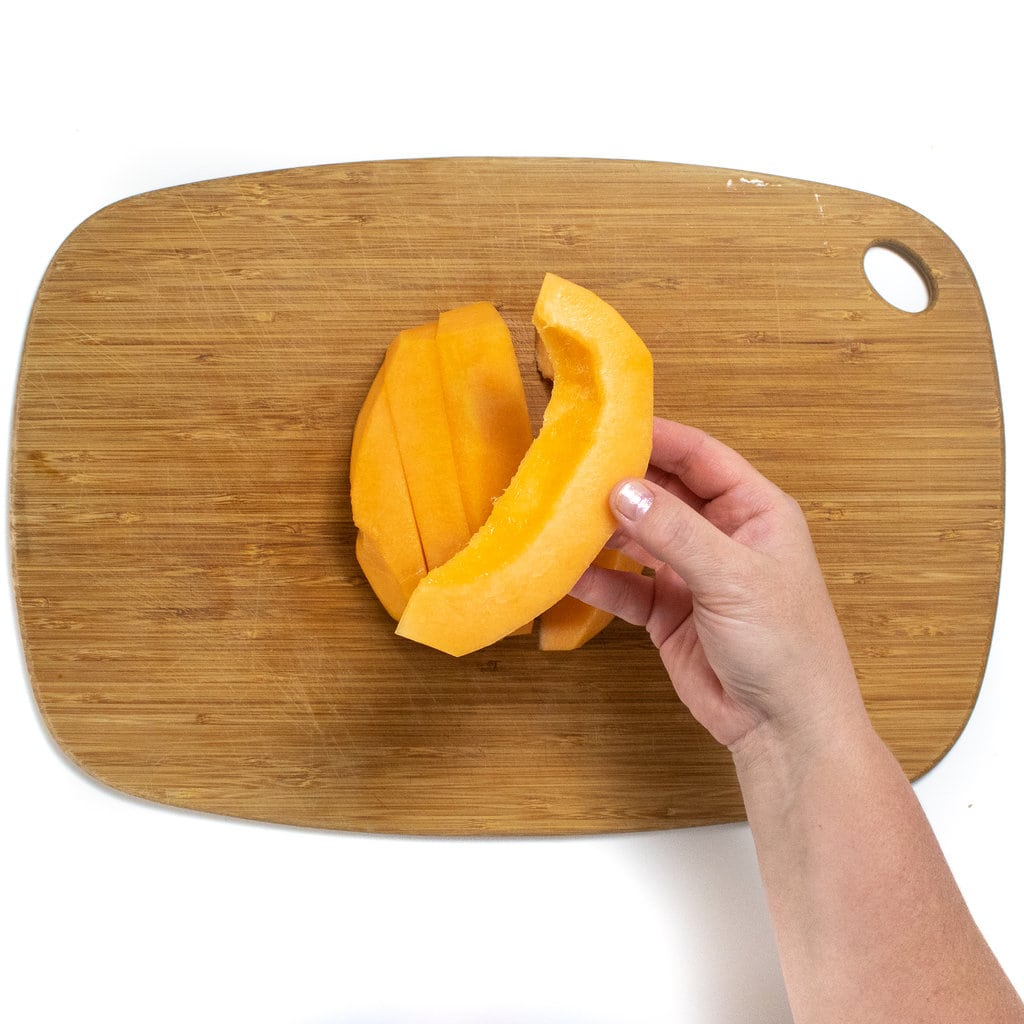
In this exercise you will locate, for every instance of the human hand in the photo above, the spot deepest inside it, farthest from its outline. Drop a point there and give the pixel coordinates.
(737, 604)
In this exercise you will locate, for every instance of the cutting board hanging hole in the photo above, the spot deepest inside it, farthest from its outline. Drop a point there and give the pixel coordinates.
(899, 276)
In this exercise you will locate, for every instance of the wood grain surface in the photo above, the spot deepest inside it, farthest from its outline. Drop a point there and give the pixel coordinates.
(196, 627)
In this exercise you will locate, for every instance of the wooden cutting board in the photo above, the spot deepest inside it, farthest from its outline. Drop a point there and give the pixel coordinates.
(195, 624)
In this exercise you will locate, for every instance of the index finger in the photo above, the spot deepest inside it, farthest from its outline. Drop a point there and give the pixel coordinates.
(704, 464)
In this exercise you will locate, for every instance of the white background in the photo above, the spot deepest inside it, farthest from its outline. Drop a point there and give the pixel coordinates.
(113, 910)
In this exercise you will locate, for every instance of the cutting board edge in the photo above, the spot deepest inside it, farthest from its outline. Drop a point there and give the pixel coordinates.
(762, 178)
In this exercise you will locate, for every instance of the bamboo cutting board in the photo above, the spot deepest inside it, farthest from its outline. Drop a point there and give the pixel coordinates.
(196, 627)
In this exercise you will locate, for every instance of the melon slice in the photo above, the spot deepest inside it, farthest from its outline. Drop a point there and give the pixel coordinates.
(553, 519)
(486, 403)
(488, 418)
(570, 623)
(412, 381)
(388, 545)
(463, 428)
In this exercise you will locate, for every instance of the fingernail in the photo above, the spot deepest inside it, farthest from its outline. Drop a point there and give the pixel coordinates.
(633, 500)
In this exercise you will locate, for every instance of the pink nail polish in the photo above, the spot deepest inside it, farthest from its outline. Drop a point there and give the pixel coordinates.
(633, 500)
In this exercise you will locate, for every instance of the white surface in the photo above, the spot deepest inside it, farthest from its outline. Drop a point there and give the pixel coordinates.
(117, 911)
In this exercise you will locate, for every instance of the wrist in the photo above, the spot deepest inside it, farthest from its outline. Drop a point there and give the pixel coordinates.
(782, 751)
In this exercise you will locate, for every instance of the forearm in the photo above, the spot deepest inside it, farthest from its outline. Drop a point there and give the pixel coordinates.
(869, 921)
(870, 924)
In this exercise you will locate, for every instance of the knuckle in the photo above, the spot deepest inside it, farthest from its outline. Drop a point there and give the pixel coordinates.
(671, 530)
(791, 506)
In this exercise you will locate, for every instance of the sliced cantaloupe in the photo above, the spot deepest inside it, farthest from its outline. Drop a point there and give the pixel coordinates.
(570, 623)
(486, 403)
(464, 427)
(488, 417)
(553, 519)
(376, 558)
(388, 545)
(412, 382)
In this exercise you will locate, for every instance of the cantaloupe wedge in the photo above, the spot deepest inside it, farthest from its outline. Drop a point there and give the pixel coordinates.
(465, 427)
(553, 519)
(486, 403)
(570, 623)
(388, 545)
(412, 381)
(488, 418)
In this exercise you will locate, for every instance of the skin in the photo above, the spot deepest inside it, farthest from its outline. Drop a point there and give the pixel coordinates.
(869, 921)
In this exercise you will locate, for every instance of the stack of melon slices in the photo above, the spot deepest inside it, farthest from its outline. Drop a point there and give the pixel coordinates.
(469, 527)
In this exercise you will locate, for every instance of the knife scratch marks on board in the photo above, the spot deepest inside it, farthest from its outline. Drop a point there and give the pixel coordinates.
(311, 266)
(70, 330)
(225, 276)
(364, 261)
(256, 603)
(826, 247)
(323, 724)
(297, 698)
(775, 288)
(520, 233)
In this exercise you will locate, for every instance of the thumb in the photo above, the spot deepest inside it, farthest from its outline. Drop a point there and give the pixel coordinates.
(673, 532)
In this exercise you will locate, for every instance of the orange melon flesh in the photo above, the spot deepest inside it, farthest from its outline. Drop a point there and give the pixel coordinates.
(412, 381)
(388, 545)
(487, 423)
(376, 559)
(488, 418)
(486, 403)
(570, 623)
(553, 519)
